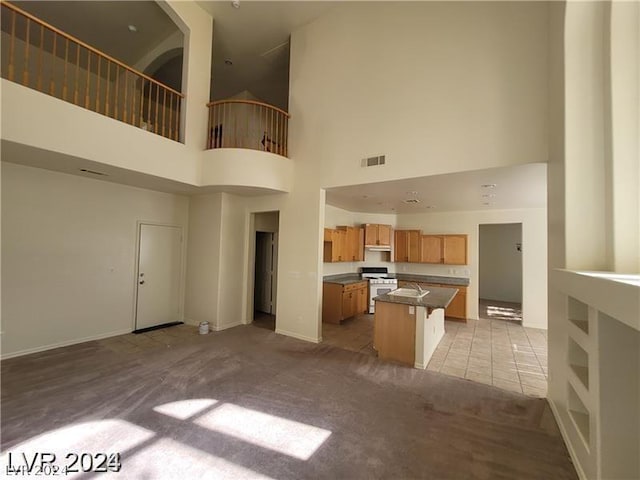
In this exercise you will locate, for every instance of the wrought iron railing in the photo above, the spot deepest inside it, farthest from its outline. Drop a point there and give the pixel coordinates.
(40, 56)
(247, 124)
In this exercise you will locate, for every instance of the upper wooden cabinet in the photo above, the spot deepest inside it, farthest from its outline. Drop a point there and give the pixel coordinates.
(354, 246)
(432, 248)
(454, 249)
(407, 246)
(376, 234)
(343, 244)
(447, 249)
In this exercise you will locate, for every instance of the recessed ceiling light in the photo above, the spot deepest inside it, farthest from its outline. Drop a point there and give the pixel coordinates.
(132, 28)
(228, 62)
(488, 185)
(235, 3)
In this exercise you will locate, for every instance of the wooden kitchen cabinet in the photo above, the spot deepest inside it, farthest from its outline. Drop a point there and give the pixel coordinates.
(407, 246)
(454, 249)
(335, 242)
(457, 309)
(431, 249)
(354, 245)
(340, 302)
(446, 249)
(376, 234)
(344, 244)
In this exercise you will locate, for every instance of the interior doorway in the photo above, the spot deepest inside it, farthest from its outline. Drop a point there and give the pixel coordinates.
(265, 279)
(500, 265)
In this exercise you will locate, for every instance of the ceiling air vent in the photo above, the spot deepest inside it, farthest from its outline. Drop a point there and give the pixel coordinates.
(373, 161)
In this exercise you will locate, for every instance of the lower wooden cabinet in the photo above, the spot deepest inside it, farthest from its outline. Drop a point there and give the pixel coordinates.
(340, 302)
(457, 309)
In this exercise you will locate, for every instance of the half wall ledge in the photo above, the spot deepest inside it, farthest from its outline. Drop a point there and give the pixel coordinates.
(244, 168)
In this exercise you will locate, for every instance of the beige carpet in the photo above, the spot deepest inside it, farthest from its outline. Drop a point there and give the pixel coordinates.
(247, 403)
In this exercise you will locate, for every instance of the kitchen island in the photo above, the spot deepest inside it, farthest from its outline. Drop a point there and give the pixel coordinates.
(407, 329)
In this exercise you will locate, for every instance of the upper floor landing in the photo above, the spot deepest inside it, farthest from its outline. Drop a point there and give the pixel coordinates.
(68, 106)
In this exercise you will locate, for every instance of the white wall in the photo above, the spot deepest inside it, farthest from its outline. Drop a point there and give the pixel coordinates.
(203, 259)
(215, 273)
(500, 262)
(438, 87)
(69, 255)
(266, 222)
(593, 217)
(534, 255)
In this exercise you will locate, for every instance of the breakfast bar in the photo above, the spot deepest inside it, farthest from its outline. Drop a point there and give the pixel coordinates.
(409, 324)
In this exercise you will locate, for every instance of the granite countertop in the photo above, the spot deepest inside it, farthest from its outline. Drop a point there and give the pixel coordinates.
(349, 278)
(437, 297)
(343, 278)
(410, 277)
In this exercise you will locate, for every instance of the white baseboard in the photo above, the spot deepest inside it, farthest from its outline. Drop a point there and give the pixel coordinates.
(217, 328)
(298, 336)
(51, 346)
(189, 321)
(565, 437)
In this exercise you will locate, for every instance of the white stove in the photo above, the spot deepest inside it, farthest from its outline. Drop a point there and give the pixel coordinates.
(379, 283)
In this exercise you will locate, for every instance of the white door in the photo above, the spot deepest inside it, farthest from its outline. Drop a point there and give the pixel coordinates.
(264, 272)
(159, 273)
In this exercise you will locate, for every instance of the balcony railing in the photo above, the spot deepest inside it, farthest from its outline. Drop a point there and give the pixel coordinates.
(247, 124)
(39, 56)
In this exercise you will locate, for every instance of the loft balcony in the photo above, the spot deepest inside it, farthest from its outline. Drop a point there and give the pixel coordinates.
(61, 97)
(248, 124)
(40, 56)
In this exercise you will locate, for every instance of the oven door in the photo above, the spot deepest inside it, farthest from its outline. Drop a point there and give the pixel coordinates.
(377, 290)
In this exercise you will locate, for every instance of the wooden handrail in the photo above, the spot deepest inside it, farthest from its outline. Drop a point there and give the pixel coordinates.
(248, 124)
(249, 102)
(88, 47)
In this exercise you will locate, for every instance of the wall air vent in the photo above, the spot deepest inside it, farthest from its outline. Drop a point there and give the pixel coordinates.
(373, 161)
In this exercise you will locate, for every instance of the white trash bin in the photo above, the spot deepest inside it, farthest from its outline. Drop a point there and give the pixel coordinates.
(204, 328)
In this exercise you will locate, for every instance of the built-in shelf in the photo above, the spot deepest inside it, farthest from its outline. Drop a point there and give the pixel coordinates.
(579, 414)
(579, 314)
(579, 362)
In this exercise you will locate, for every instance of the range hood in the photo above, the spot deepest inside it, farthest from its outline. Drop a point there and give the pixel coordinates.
(378, 248)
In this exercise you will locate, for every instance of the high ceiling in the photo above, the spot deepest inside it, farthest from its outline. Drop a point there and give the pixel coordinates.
(523, 186)
(255, 38)
(105, 24)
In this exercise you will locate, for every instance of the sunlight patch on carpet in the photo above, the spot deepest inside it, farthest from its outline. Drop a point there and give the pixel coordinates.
(289, 437)
(184, 409)
(110, 436)
(170, 459)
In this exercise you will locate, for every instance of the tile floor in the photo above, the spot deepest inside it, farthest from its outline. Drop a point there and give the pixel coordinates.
(494, 352)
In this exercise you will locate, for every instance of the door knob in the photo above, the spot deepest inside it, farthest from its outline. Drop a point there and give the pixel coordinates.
(141, 282)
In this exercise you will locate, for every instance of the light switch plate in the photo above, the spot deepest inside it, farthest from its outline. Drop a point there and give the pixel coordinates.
(412, 309)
